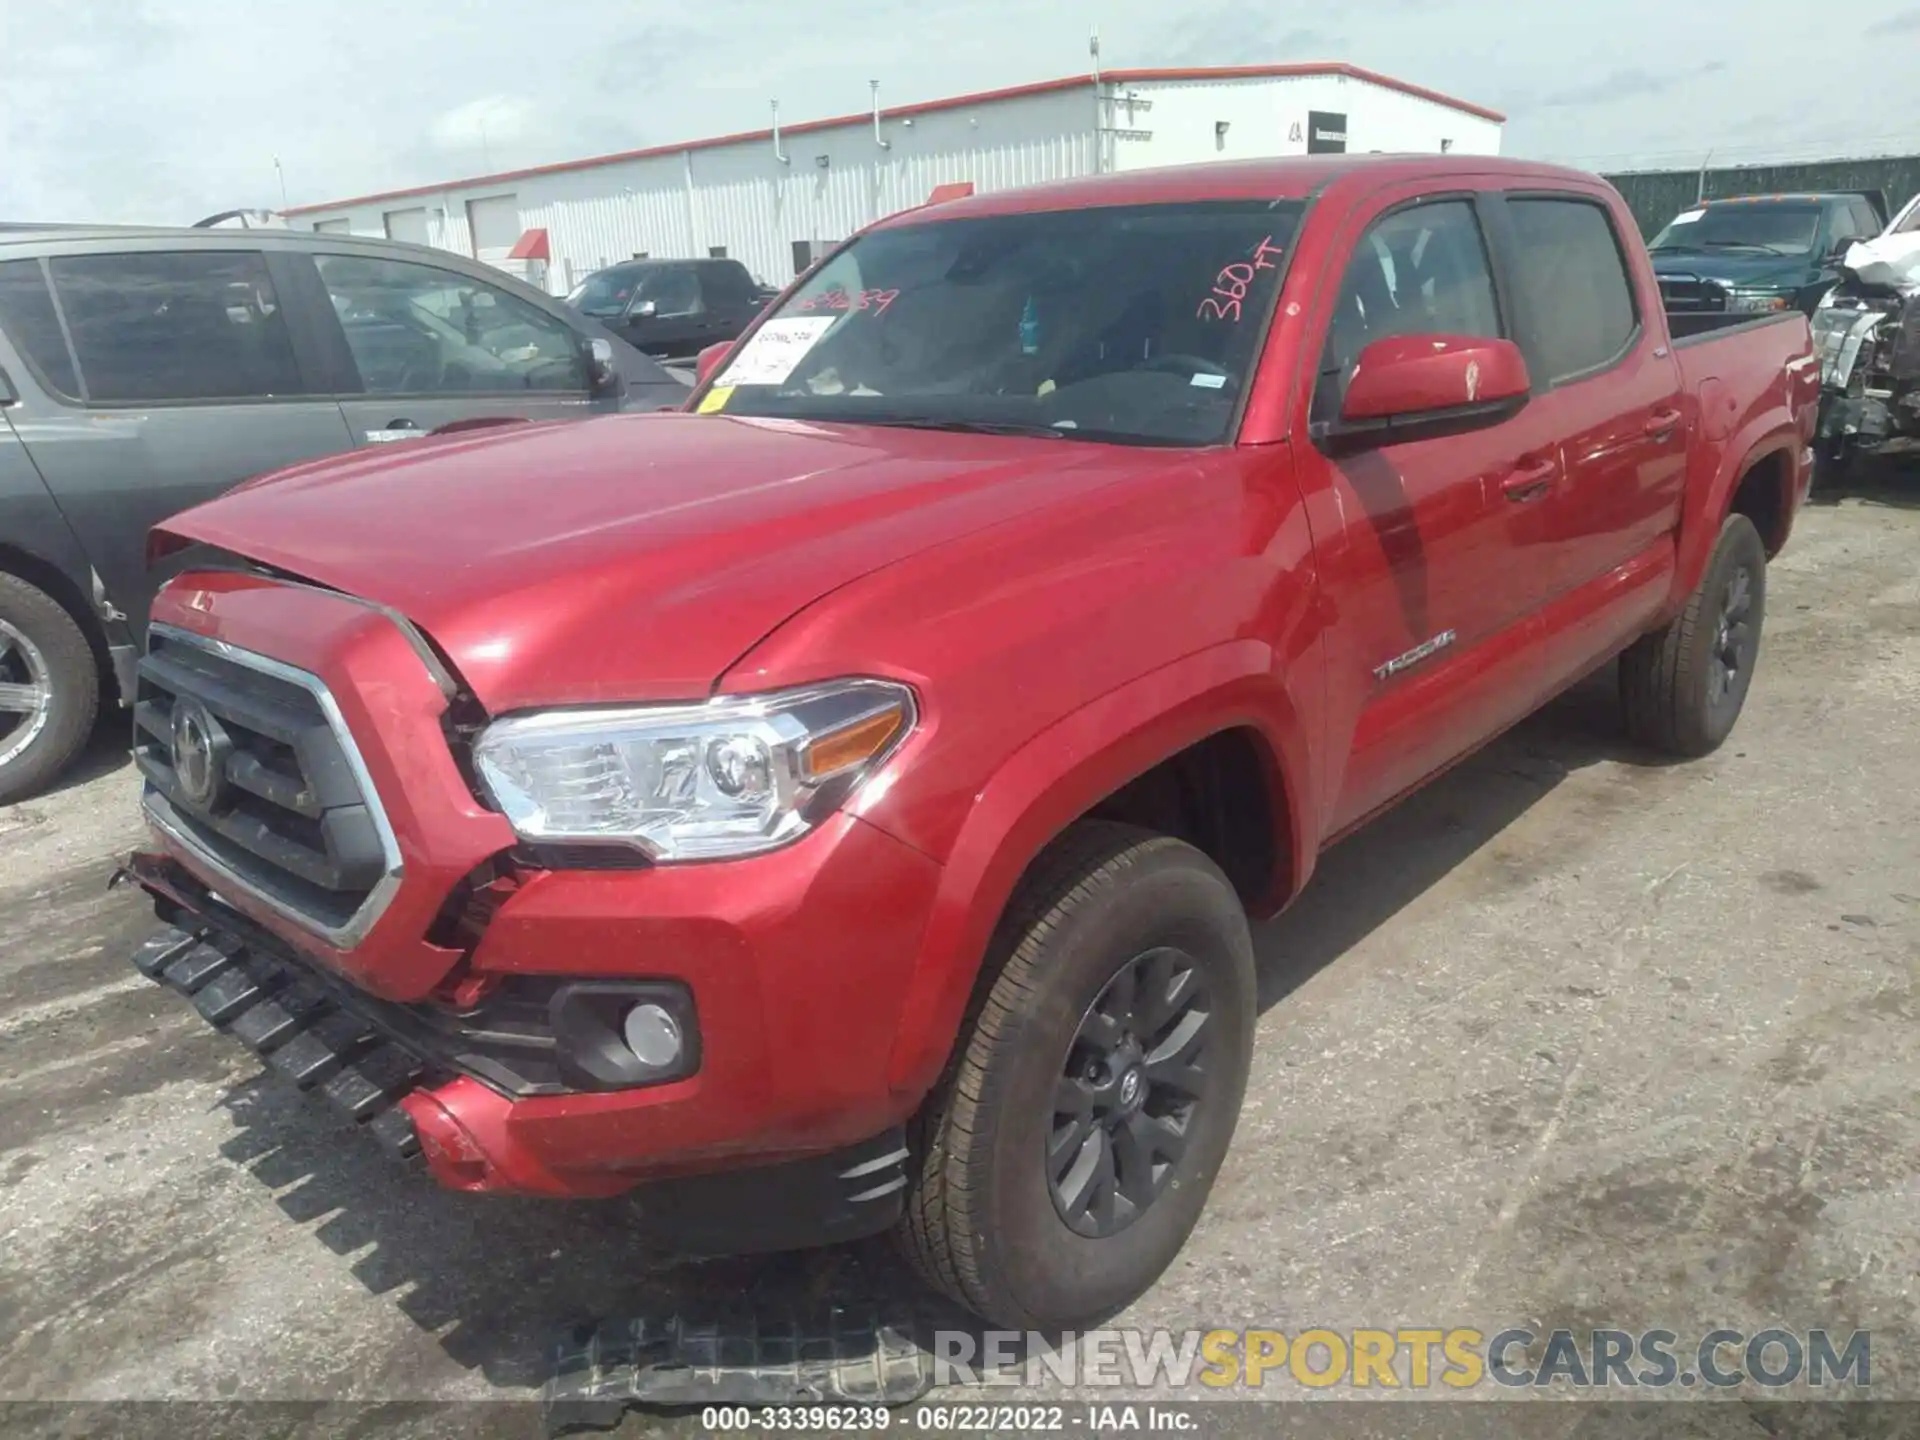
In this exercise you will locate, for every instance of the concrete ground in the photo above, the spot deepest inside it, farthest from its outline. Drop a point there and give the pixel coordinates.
(1573, 1038)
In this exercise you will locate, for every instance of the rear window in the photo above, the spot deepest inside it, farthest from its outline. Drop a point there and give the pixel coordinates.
(193, 325)
(28, 318)
(1573, 282)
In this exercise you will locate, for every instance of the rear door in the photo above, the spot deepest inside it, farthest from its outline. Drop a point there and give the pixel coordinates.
(1607, 397)
(730, 297)
(171, 378)
(415, 347)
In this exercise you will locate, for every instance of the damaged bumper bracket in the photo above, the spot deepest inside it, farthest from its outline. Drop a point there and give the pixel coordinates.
(852, 1354)
(293, 1025)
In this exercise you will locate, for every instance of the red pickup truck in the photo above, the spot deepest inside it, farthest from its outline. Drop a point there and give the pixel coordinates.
(840, 805)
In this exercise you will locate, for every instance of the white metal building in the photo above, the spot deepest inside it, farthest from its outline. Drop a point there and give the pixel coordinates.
(774, 198)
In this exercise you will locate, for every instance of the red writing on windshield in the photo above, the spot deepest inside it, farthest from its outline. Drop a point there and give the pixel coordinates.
(1230, 285)
(837, 299)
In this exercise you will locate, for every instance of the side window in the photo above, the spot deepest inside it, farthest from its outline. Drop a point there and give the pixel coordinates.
(419, 330)
(1418, 271)
(1866, 224)
(173, 326)
(674, 291)
(1568, 266)
(28, 318)
(726, 285)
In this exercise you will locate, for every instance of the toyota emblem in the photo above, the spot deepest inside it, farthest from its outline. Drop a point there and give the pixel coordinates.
(199, 753)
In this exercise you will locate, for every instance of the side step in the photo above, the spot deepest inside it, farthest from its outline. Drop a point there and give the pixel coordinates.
(292, 1024)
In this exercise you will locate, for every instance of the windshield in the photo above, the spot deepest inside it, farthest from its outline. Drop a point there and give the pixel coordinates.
(606, 292)
(1780, 229)
(1136, 324)
(1909, 223)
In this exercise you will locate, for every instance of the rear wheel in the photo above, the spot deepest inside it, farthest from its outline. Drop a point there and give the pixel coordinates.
(1067, 1154)
(1683, 686)
(49, 688)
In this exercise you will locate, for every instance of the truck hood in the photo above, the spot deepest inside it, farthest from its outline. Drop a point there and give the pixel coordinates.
(633, 557)
(1748, 270)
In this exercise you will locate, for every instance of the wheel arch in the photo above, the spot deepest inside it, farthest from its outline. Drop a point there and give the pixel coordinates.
(1222, 707)
(58, 585)
(1758, 477)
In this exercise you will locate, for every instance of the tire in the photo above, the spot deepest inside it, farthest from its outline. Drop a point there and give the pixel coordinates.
(41, 647)
(1677, 689)
(987, 1218)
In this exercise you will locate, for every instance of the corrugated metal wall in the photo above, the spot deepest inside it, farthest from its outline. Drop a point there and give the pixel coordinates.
(740, 197)
(1658, 195)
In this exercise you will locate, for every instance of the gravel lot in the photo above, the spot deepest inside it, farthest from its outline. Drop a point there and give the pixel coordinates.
(1573, 1038)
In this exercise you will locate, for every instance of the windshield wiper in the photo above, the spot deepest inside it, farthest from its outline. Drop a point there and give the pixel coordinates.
(1743, 245)
(970, 427)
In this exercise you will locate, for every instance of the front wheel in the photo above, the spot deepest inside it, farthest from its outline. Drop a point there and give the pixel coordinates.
(1068, 1152)
(1683, 686)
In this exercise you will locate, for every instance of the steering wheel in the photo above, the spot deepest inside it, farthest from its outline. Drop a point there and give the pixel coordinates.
(1189, 365)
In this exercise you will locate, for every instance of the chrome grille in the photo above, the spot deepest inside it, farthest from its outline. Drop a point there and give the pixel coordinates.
(249, 766)
(1689, 295)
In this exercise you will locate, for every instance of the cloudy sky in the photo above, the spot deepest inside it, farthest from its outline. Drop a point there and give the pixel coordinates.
(166, 110)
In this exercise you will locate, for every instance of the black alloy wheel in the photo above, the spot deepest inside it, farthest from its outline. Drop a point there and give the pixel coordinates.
(1136, 1073)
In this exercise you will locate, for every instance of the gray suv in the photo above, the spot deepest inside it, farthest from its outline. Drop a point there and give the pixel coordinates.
(143, 371)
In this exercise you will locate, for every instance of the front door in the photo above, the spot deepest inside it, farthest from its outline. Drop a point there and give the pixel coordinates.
(669, 314)
(429, 346)
(181, 382)
(1417, 549)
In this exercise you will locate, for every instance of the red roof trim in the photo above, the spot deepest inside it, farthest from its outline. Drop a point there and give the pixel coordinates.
(927, 107)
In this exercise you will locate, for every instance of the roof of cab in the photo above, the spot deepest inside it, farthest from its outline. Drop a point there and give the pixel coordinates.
(1294, 178)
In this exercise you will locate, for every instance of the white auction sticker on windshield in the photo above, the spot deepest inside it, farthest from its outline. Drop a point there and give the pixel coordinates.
(775, 349)
(1688, 218)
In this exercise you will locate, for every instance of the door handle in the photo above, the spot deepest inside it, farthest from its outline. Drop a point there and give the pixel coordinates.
(1662, 423)
(1530, 482)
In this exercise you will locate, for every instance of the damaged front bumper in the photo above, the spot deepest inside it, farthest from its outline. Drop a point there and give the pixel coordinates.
(1868, 340)
(439, 1089)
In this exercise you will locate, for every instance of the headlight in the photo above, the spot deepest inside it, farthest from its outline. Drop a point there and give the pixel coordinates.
(1752, 302)
(734, 776)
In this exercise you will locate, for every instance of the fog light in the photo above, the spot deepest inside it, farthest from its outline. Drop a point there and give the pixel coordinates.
(653, 1035)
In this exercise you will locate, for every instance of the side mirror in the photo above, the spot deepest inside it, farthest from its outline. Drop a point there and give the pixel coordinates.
(710, 360)
(603, 377)
(1409, 385)
(645, 310)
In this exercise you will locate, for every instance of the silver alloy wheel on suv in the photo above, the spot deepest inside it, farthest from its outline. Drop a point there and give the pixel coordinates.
(26, 692)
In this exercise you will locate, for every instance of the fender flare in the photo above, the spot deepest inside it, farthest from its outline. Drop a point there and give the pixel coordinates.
(1770, 432)
(1057, 777)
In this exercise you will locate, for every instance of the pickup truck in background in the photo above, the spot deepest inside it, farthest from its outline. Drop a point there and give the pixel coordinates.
(1757, 254)
(841, 806)
(672, 307)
